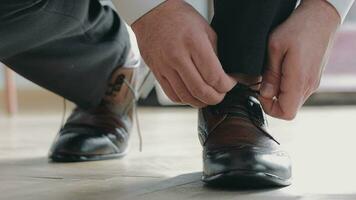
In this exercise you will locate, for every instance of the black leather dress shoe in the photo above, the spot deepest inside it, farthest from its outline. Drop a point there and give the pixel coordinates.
(237, 148)
(89, 135)
(102, 132)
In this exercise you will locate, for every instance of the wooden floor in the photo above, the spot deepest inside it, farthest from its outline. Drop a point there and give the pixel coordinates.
(321, 141)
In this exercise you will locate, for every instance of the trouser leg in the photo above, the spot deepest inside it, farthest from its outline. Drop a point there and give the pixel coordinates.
(69, 47)
(243, 27)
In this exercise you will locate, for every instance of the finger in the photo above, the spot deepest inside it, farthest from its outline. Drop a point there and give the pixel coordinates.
(167, 88)
(182, 91)
(197, 87)
(291, 94)
(276, 107)
(272, 75)
(209, 66)
(268, 105)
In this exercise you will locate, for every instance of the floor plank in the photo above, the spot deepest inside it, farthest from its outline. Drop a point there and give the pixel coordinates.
(321, 142)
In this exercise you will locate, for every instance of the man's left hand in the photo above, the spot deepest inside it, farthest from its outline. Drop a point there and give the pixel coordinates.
(298, 50)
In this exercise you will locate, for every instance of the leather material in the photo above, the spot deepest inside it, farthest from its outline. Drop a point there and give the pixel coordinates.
(236, 142)
(102, 132)
(94, 134)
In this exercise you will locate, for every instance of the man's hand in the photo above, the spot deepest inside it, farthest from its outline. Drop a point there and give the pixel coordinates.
(179, 47)
(297, 54)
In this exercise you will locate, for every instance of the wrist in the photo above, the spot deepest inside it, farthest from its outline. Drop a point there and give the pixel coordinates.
(332, 10)
(132, 10)
(329, 12)
(342, 7)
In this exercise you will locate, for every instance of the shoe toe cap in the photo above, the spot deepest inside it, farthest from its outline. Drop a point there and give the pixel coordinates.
(249, 160)
(74, 145)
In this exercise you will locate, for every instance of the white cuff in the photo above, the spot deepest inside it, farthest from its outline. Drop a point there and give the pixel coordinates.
(132, 10)
(342, 6)
(133, 58)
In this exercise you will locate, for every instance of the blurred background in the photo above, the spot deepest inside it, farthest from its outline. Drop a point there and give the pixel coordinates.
(321, 141)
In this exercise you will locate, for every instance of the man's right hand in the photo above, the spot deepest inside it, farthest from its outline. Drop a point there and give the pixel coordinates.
(179, 46)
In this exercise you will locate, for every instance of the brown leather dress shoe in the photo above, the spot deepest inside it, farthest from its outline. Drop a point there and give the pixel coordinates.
(237, 148)
(102, 132)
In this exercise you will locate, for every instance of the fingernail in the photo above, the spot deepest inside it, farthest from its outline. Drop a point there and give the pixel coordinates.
(267, 90)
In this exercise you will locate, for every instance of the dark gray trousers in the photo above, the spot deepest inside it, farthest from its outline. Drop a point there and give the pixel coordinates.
(71, 47)
(243, 27)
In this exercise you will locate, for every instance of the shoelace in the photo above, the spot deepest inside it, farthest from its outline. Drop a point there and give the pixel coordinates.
(64, 113)
(258, 93)
(134, 107)
(253, 117)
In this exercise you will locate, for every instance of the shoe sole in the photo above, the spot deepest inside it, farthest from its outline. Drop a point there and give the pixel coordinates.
(245, 179)
(63, 157)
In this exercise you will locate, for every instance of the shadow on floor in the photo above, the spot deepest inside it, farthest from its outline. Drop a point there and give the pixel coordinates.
(100, 180)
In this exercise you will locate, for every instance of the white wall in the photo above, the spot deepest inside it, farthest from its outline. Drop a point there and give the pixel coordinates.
(200, 5)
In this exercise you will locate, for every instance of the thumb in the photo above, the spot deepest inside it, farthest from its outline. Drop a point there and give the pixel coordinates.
(272, 74)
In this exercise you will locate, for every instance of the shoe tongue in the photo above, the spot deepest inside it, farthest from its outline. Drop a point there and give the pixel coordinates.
(242, 99)
(239, 94)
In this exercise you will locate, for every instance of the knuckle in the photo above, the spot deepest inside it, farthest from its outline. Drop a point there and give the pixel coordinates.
(289, 116)
(311, 85)
(213, 36)
(190, 38)
(174, 55)
(274, 45)
(217, 100)
(212, 80)
(172, 52)
(200, 92)
(315, 85)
